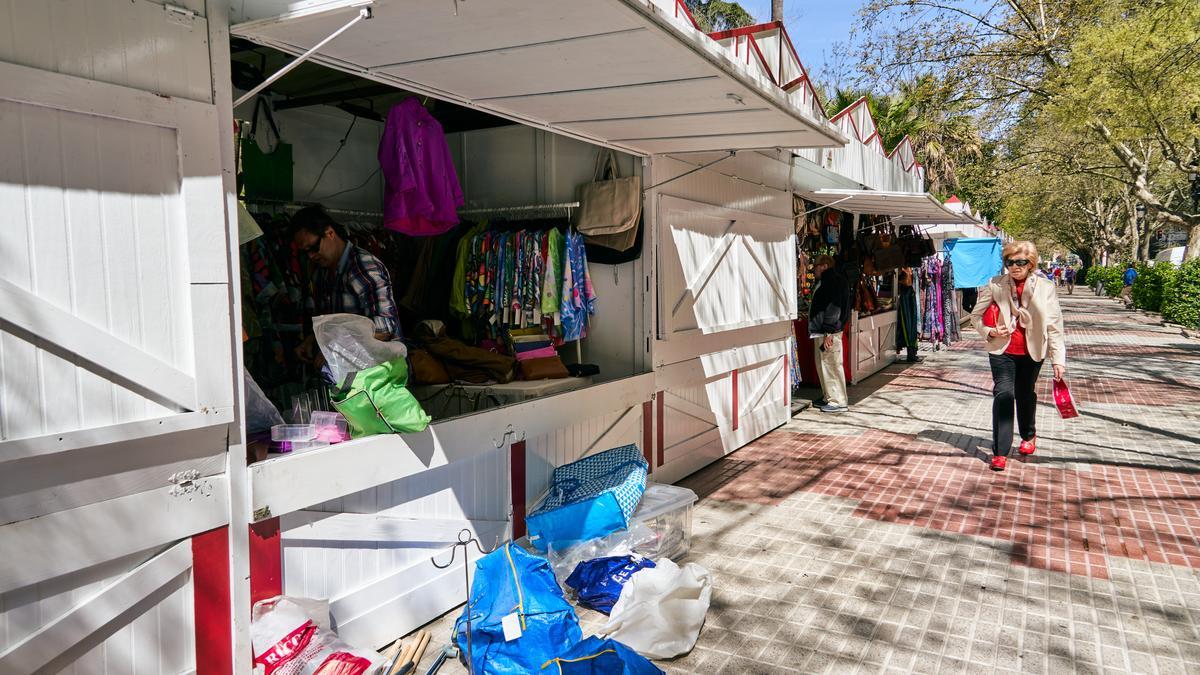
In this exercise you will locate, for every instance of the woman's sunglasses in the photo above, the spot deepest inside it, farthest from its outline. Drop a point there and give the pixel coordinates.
(1019, 262)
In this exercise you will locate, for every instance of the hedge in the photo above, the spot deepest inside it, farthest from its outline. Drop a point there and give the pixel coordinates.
(1181, 294)
(1149, 285)
(1113, 281)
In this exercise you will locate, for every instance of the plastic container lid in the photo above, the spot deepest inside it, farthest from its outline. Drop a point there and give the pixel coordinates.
(659, 499)
(293, 432)
(324, 418)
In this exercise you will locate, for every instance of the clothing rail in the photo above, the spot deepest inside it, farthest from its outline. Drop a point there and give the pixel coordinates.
(284, 203)
(531, 208)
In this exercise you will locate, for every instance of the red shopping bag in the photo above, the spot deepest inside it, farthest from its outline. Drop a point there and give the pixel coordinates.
(991, 315)
(1064, 400)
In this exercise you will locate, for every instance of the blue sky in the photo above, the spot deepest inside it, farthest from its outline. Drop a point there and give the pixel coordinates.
(815, 25)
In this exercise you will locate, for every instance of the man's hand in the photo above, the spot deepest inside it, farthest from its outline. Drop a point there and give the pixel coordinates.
(1060, 372)
(828, 343)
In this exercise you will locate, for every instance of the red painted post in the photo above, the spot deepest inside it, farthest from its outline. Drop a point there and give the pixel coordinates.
(661, 400)
(648, 432)
(266, 560)
(734, 375)
(517, 471)
(210, 587)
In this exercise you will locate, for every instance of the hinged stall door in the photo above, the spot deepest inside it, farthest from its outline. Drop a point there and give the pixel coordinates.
(116, 375)
(727, 295)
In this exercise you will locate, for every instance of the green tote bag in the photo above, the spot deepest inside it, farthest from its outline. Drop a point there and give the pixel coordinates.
(376, 401)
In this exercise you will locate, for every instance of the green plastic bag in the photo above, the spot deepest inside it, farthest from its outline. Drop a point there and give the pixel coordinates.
(376, 401)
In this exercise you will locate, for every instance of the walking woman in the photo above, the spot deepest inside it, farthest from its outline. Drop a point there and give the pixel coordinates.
(1024, 329)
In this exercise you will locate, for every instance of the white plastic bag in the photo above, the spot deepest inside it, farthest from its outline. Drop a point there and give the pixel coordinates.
(287, 640)
(349, 345)
(661, 610)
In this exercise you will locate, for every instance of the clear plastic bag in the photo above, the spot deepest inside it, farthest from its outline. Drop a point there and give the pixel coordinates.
(349, 345)
(623, 542)
(261, 414)
(290, 637)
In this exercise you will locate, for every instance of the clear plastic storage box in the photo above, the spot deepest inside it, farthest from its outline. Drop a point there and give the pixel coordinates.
(291, 437)
(667, 510)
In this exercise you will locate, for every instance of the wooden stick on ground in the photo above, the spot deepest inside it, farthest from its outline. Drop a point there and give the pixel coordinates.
(405, 655)
(420, 651)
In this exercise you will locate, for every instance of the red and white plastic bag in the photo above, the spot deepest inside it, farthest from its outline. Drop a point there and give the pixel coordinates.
(1064, 400)
(287, 641)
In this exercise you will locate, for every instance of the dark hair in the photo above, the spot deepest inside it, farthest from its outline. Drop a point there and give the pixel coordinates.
(314, 219)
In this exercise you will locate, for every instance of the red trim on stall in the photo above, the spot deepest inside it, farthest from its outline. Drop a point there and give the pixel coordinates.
(734, 377)
(648, 432)
(516, 453)
(787, 376)
(681, 5)
(661, 400)
(266, 560)
(213, 605)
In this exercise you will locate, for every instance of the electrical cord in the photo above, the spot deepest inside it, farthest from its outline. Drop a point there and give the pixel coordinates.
(357, 187)
(341, 144)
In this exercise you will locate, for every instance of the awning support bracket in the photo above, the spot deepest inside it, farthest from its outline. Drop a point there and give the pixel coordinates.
(692, 171)
(825, 206)
(364, 13)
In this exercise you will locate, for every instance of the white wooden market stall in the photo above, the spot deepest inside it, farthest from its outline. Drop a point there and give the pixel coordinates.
(124, 482)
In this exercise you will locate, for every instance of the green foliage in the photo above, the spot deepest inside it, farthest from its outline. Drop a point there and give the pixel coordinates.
(1113, 282)
(1093, 276)
(1181, 295)
(1149, 285)
(719, 15)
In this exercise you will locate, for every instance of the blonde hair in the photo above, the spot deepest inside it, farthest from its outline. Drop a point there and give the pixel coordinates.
(1014, 248)
(826, 260)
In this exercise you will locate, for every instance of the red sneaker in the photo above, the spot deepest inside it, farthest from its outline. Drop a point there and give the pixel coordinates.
(998, 462)
(1028, 447)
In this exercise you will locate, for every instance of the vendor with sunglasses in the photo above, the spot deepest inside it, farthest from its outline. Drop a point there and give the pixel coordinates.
(1019, 317)
(346, 279)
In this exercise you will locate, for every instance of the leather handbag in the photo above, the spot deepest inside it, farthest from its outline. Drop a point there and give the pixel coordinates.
(549, 368)
(888, 258)
(610, 206)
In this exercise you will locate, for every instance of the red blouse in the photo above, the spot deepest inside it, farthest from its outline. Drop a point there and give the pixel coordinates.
(1016, 344)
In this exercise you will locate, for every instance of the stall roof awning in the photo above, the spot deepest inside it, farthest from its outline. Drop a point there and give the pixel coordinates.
(630, 74)
(913, 208)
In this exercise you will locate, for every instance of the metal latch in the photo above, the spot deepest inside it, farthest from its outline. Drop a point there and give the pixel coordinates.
(180, 15)
(187, 483)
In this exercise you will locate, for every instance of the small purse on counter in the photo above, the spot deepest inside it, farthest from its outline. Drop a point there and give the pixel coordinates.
(549, 368)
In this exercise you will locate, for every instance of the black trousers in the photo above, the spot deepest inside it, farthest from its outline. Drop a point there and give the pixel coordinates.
(1014, 379)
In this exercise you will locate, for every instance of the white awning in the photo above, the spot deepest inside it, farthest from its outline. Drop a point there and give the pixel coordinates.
(630, 74)
(905, 208)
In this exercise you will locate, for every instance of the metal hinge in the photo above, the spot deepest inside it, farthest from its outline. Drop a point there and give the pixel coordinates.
(188, 483)
(180, 15)
(261, 514)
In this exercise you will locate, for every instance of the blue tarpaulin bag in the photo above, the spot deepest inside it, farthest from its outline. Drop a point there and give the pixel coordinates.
(509, 581)
(599, 656)
(589, 498)
(599, 581)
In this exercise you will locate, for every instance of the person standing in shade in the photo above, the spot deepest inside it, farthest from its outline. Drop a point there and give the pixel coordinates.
(1069, 277)
(1127, 279)
(828, 313)
(1024, 329)
(347, 279)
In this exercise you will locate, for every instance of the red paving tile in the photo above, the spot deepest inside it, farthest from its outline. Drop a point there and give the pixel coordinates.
(1056, 519)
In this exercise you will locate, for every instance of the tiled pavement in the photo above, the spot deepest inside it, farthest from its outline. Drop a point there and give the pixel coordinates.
(878, 541)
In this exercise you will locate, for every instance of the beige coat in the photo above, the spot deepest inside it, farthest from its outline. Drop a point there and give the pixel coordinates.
(1043, 335)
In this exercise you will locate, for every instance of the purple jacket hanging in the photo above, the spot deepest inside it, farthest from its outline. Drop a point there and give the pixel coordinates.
(423, 194)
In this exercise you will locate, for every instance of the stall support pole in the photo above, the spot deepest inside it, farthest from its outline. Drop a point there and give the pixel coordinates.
(648, 432)
(517, 487)
(212, 600)
(266, 560)
(734, 377)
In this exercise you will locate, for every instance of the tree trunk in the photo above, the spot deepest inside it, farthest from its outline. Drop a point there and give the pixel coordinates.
(777, 10)
(1193, 244)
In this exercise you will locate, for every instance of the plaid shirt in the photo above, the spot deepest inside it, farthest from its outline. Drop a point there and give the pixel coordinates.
(360, 285)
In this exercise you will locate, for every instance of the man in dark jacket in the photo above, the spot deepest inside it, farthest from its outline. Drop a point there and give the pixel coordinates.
(827, 316)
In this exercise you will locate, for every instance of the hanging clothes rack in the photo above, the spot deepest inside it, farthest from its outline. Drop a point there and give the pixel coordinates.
(526, 210)
(293, 204)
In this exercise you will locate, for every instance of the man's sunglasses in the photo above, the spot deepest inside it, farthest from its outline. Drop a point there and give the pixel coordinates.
(1019, 262)
(313, 249)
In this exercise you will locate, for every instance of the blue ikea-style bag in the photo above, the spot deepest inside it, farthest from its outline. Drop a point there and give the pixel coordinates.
(589, 498)
(510, 581)
(599, 581)
(600, 656)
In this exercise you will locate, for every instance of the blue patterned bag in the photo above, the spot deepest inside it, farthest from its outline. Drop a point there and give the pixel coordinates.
(589, 498)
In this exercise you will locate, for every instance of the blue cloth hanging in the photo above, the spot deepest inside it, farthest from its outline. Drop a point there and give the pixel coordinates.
(975, 261)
